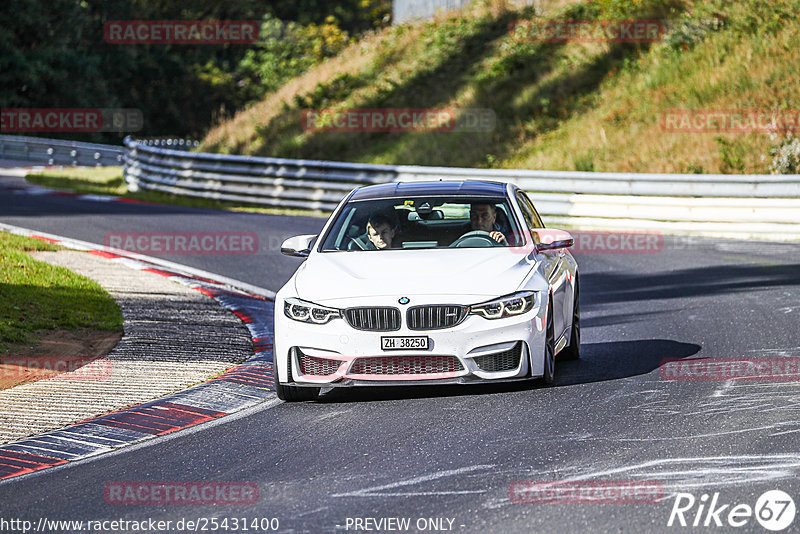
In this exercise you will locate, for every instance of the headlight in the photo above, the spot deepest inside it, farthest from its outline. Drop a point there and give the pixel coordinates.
(307, 312)
(507, 306)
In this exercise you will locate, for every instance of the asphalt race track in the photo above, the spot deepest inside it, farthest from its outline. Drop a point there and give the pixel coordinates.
(452, 453)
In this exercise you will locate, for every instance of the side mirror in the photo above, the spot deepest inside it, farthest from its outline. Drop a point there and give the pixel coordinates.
(547, 239)
(299, 246)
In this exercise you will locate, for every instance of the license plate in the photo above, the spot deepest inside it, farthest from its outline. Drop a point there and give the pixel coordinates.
(404, 343)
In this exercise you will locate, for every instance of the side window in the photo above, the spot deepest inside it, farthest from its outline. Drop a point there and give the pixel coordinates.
(527, 214)
(532, 218)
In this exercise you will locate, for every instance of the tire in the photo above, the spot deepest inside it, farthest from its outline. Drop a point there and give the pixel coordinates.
(573, 350)
(549, 348)
(293, 393)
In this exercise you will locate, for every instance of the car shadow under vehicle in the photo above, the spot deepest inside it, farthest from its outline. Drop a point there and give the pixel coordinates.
(599, 362)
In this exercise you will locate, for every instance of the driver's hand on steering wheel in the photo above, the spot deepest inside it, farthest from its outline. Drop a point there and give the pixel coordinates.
(498, 236)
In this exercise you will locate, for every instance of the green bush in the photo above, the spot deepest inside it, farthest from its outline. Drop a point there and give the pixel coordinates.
(585, 162)
(733, 154)
(286, 50)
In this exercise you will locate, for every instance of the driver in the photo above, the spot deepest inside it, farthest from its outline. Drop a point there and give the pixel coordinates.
(484, 217)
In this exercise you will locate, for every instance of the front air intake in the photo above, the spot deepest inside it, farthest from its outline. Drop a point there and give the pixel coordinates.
(500, 361)
(405, 365)
(313, 366)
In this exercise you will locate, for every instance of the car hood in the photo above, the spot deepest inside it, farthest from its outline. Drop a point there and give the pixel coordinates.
(480, 272)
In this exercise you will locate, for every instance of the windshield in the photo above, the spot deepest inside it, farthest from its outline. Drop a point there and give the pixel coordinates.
(423, 222)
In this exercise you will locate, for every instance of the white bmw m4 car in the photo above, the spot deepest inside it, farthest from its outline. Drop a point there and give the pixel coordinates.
(448, 282)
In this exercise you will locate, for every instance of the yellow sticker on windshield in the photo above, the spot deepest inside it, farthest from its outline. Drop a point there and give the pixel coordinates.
(408, 203)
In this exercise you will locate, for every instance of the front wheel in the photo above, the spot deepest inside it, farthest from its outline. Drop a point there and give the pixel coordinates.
(293, 393)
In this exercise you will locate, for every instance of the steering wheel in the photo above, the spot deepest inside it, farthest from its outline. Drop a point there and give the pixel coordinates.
(475, 238)
(355, 244)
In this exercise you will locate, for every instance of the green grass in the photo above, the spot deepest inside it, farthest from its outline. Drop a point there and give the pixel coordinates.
(36, 296)
(83, 180)
(560, 106)
(109, 181)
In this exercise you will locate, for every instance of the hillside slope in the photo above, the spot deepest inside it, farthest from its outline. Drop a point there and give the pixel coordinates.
(563, 106)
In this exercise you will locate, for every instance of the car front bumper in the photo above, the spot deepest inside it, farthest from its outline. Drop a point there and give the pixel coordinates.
(337, 355)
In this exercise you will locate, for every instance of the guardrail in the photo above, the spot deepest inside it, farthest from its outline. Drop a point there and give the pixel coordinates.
(170, 142)
(58, 152)
(743, 206)
(302, 184)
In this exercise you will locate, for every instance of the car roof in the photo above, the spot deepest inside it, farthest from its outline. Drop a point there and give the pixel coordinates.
(438, 188)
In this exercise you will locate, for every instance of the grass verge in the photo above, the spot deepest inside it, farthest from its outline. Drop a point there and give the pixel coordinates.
(36, 296)
(593, 106)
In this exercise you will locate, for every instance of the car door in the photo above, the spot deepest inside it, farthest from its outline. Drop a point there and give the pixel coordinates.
(555, 268)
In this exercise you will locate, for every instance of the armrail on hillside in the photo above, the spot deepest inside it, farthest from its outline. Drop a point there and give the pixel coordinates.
(58, 152)
(741, 206)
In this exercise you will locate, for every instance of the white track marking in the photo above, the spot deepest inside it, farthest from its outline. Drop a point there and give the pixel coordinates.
(376, 491)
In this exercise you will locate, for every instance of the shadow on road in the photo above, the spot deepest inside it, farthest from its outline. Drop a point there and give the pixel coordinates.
(621, 359)
(599, 362)
(680, 283)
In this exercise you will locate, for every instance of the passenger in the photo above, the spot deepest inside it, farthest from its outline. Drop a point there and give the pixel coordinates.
(484, 217)
(381, 230)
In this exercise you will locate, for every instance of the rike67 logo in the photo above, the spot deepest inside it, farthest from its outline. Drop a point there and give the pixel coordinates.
(774, 510)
